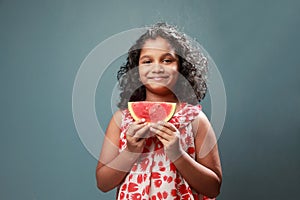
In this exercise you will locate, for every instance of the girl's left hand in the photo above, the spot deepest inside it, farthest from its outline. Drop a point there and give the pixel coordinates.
(169, 135)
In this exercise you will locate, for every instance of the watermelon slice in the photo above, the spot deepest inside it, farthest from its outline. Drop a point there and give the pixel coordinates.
(151, 111)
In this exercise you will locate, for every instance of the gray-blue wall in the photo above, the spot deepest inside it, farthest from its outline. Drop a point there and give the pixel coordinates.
(255, 45)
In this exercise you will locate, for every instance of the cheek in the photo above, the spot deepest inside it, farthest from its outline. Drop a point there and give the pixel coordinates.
(174, 74)
(142, 74)
(175, 77)
(174, 71)
(141, 71)
(175, 67)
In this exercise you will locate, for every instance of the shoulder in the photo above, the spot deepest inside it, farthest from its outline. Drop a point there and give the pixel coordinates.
(117, 118)
(118, 115)
(113, 129)
(201, 123)
(202, 118)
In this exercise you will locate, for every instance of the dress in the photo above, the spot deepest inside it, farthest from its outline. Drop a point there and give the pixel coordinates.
(154, 176)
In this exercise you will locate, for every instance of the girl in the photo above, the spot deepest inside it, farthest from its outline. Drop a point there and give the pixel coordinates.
(162, 160)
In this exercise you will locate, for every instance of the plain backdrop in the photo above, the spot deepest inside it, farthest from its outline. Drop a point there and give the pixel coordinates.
(255, 45)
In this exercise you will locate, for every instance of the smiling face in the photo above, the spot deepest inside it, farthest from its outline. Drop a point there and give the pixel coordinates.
(158, 66)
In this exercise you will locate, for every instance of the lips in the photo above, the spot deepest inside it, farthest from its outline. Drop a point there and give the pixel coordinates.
(158, 78)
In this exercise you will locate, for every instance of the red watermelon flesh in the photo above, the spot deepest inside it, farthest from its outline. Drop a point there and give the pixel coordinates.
(151, 111)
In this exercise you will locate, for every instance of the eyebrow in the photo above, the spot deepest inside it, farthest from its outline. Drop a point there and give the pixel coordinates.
(163, 55)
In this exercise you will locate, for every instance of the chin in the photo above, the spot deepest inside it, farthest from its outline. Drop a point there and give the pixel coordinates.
(159, 89)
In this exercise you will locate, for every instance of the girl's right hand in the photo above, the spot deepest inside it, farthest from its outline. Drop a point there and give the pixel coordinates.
(136, 135)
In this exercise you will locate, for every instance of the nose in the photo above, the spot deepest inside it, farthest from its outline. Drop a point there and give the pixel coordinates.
(157, 68)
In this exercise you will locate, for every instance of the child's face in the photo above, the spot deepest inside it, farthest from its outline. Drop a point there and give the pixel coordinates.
(158, 65)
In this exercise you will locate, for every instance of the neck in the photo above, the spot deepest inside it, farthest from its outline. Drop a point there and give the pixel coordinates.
(161, 98)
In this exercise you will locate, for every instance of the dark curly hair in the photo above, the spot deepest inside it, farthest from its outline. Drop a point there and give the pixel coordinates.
(192, 67)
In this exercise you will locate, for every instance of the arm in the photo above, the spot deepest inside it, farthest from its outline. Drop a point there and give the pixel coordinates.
(203, 174)
(107, 174)
(113, 166)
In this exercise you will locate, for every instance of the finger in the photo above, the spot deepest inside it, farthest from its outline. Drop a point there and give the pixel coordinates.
(140, 142)
(164, 129)
(161, 139)
(140, 121)
(133, 128)
(137, 124)
(167, 125)
(142, 132)
(160, 133)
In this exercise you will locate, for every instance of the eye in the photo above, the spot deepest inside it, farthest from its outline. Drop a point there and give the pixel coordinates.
(146, 61)
(167, 60)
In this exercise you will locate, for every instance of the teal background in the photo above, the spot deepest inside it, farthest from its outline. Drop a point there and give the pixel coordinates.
(255, 45)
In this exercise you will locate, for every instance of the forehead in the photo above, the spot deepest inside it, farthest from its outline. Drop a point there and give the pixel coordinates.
(157, 44)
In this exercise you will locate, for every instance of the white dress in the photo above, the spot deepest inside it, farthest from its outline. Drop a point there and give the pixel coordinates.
(153, 176)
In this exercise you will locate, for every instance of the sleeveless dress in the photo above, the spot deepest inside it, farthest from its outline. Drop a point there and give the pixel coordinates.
(153, 176)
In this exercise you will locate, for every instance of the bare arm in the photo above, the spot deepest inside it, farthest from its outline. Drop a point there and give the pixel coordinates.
(113, 166)
(107, 174)
(203, 174)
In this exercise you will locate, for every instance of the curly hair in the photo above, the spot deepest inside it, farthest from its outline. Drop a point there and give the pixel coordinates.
(193, 67)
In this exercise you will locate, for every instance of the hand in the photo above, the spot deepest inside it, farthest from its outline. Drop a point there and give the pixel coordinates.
(136, 136)
(169, 135)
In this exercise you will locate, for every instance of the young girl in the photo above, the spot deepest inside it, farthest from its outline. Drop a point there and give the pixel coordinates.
(161, 160)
